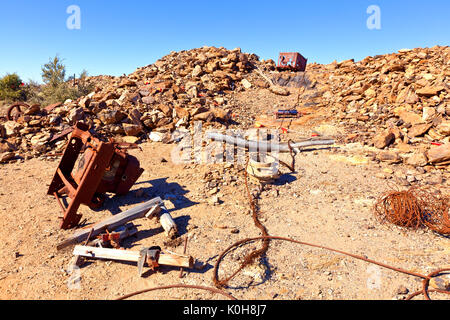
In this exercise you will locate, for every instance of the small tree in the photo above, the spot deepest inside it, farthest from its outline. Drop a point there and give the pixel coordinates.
(11, 88)
(54, 72)
(56, 88)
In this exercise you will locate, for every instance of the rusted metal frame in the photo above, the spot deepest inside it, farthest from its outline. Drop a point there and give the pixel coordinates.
(295, 61)
(85, 190)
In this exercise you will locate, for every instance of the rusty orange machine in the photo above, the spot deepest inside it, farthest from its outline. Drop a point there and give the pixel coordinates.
(87, 170)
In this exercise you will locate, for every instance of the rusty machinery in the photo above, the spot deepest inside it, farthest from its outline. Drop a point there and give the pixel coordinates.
(291, 61)
(88, 169)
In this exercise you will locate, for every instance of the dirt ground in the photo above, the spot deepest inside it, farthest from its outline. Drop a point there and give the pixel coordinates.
(327, 201)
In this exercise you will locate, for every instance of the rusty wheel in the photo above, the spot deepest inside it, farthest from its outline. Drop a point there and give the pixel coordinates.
(18, 112)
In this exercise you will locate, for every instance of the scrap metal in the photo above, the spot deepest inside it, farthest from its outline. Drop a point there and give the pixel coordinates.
(88, 169)
(291, 61)
(415, 208)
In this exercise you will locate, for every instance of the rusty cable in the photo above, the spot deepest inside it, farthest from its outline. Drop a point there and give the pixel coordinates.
(250, 258)
(414, 208)
(426, 278)
(291, 151)
(214, 290)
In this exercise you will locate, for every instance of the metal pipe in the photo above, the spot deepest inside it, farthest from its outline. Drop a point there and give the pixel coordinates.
(265, 145)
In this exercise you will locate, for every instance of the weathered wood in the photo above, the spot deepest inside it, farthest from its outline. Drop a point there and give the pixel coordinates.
(165, 258)
(112, 222)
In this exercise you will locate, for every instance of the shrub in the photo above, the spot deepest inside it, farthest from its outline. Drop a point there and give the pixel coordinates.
(11, 88)
(57, 88)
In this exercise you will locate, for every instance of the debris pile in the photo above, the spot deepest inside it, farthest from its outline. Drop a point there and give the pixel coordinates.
(183, 86)
(398, 102)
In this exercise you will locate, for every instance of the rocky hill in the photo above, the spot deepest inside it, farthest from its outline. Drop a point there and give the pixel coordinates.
(397, 102)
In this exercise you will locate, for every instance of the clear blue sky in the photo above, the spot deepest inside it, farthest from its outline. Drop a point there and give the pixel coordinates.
(116, 37)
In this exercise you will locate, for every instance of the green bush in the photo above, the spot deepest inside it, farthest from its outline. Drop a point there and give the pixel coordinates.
(11, 88)
(57, 88)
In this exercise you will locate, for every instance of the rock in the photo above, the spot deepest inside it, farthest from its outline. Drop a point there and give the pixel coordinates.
(85, 102)
(130, 139)
(428, 113)
(279, 90)
(127, 83)
(12, 128)
(389, 156)
(6, 156)
(2, 131)
(197, 72)
(402, 290)
(410, 117)
(39, 140)
(156, 136)
(214, 200)
(131, 129)
(148, 100)
(383, 139)
(418, 130)
(435, 180)
(444, 128)
(439, 154)
(205, 116)
(221, 114)
(34, 109)
(246, 84)
(76, 114)
(417, 160)
(111, 116)
(429, 91)
(442, 282)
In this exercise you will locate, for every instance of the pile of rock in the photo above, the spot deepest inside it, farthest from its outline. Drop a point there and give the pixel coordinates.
(179, 88)
(399, 102)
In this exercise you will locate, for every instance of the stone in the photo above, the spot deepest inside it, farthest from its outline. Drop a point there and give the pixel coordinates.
(130, 139)
(418, 130)
(410, 117)
(246, 84)
(417, 160)
(428, 113)
(76, 114)
(389, 156)
(12, 128)
(6, 156)
(40, 139)
(402, 290)
(383, 139)
(111, 116)
(197, 72)
(205, 116)
(148, 100)
(429, 91)
(131, 129)
(214, 200)
(279, 90)
(439, 154)
(444, 128)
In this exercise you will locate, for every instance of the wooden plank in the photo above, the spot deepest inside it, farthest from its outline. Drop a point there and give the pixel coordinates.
(113, 222)
(165, 258)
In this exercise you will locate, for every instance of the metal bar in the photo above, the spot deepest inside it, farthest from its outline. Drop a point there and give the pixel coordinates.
(265, 145)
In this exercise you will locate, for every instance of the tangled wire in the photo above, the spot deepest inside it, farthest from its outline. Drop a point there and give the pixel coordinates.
(414, 208)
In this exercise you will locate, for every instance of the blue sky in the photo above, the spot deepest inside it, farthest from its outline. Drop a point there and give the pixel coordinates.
(116, 37)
